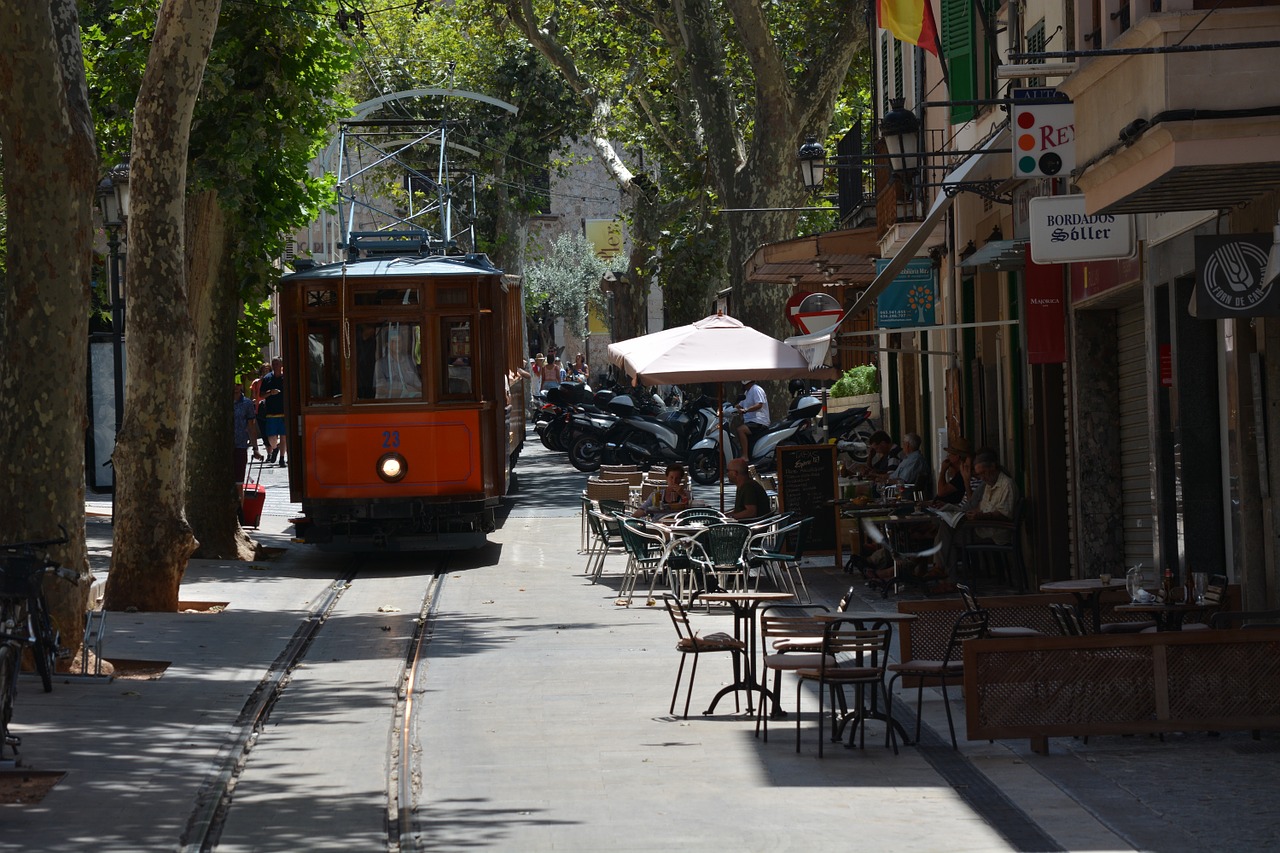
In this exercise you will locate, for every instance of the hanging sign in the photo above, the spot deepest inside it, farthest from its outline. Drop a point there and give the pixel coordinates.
(1044, 138)
(911, 299)
(1061, 232)
(1046, 314)
(1229, 277)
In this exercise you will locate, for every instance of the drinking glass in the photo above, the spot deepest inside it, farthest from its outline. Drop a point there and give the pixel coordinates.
(1133, 583)
(1201, 582)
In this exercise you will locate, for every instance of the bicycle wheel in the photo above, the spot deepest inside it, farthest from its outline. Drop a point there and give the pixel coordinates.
(45, 648)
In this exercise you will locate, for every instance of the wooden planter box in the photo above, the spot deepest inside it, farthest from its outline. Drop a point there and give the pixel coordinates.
(840, 404)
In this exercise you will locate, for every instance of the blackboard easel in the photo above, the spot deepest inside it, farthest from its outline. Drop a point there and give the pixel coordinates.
(807, 485)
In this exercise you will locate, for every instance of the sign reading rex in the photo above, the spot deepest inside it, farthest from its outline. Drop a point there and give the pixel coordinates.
(1061, 231)
(1043, 139)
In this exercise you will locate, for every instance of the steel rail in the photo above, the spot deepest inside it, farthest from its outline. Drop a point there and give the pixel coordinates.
(403, 831)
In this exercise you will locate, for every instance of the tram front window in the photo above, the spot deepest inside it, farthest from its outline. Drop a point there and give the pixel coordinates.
(388, 361)
(324, 375)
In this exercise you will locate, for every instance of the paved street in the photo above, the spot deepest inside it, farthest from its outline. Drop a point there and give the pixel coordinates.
(545, 727)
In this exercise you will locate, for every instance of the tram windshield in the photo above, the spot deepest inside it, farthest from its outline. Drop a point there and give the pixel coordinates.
(388, 361)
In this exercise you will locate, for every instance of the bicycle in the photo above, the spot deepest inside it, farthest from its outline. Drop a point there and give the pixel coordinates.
(25, 621)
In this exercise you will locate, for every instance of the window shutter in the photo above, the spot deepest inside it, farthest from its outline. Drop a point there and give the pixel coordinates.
(958, 46)
(884, 72)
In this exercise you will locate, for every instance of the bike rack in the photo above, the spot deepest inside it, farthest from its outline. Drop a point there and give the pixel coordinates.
(95, 622)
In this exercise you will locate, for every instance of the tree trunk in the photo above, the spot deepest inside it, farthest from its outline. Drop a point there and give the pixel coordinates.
(211, 498)
(152, 538)
(46, 134)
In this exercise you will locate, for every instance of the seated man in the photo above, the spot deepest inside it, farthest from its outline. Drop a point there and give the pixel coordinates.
(955, 475)
(999, 495)
(913, 471)
(883, 457)
(751, 500)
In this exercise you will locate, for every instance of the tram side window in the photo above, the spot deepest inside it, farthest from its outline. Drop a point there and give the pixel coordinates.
(455, 336)
(388, 361)
(324, 368)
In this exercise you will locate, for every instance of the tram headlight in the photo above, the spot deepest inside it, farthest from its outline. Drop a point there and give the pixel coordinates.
(392, 467)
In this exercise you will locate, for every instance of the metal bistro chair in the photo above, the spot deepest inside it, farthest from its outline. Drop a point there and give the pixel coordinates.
(790, 640)
(606, 538)
(1010, 553)
(645, 547)
(784, 566)
(689, 643)
(699, 513)
(721, 550)
(855, 656)
(971, 625)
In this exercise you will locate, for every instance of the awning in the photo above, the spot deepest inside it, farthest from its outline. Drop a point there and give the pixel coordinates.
(834, 258)
(1003, 255)
(815, 347)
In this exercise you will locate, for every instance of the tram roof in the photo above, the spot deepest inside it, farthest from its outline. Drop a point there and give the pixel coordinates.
(408, 265)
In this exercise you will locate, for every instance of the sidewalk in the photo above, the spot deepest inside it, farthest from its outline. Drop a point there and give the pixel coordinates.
(544, 726)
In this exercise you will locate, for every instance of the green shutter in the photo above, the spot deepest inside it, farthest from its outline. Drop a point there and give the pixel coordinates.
(958, 47)
(884, 72)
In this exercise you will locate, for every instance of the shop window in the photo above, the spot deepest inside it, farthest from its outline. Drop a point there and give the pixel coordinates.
(324, 366)
(388, 361)
(457, 364)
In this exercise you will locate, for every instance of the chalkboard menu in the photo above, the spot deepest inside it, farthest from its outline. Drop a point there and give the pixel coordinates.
(807, 485)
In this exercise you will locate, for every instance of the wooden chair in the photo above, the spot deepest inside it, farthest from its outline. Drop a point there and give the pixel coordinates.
(850, 656)
(688, 642)
(971, 625)
(971, 603)
(790, 640)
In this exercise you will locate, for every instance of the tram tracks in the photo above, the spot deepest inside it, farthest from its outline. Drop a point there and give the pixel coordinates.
(216, 799)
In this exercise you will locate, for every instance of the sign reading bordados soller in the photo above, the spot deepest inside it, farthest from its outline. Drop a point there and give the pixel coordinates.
(912, 298)
(1229, 277)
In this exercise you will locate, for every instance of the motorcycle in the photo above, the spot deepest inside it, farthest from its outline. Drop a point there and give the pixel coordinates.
(710, 456)
(851, 429)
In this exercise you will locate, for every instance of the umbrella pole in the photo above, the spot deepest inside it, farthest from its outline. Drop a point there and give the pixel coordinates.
(720, 463)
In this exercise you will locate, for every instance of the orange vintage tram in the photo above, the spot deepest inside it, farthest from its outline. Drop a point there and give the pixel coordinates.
(404, 405)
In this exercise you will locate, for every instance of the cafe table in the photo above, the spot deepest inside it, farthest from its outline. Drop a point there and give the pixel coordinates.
(744, 606)
(1087, 593)
(1168, 617)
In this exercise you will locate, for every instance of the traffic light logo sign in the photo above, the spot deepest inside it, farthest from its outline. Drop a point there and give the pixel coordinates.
(1044, 140)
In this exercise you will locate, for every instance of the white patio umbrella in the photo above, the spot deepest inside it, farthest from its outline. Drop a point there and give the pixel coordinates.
(715, 349)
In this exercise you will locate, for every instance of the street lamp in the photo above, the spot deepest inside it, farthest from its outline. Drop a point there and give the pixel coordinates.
(900, 130)
(813, 164)
(113, 200)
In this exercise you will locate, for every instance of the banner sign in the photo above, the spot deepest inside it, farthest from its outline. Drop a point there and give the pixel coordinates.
(912, 298)
(1229, 277)
(1046, 314)
(1061, 232)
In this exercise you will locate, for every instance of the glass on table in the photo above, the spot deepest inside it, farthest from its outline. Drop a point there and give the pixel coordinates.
(1201, 582)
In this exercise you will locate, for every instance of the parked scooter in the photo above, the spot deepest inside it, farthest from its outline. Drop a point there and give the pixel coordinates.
(711, 457)
(851, 430)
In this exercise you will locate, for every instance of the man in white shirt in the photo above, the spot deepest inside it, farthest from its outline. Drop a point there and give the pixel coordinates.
(999, 495)
(755, 417)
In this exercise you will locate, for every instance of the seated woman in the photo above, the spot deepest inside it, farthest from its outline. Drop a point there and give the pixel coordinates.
(672, 497)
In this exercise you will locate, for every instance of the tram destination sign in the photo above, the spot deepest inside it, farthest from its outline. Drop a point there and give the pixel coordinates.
(1062, 232)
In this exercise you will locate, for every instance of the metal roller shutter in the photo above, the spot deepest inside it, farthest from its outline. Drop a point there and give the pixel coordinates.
(1135, 437)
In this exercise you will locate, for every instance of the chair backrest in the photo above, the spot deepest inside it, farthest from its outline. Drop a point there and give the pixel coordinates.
(639, 541)
(616, 469)
(1068, 620)
(972, 625)
(617, 490)
(858, 643)
(1215, 592)
(633, 478)
(847, 599)
(788, 622)
(608, 507)
(966, 594)
(800, 537)
(724, 544)
(680, 619)
(700, 512)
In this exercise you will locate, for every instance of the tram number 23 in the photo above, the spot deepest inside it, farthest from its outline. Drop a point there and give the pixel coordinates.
(391, 438)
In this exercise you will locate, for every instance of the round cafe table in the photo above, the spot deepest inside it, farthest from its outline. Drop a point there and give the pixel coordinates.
(744, 606)
(1087, 592)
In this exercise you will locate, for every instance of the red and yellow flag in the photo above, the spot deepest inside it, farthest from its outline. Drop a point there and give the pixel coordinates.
(910, 21)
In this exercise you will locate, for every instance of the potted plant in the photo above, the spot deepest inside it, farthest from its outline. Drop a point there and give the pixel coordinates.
(858, 386)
